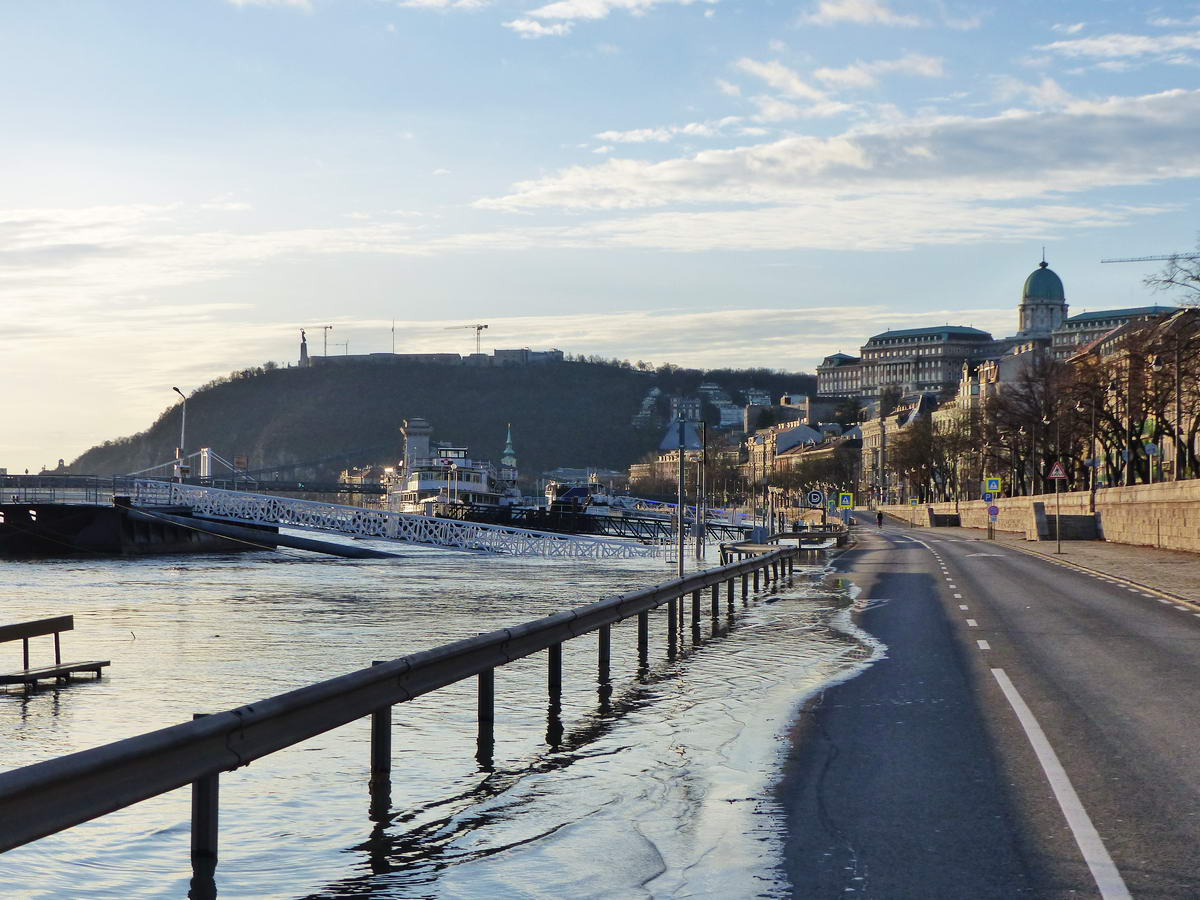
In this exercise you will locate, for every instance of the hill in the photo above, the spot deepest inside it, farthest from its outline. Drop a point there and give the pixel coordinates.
(572, 413)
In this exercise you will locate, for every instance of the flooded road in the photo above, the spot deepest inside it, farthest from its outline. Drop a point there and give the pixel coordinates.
(666, 792)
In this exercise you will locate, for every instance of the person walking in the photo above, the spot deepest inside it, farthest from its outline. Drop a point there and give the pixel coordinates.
(879, 519)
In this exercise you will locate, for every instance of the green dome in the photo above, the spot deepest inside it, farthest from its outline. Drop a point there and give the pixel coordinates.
(1043, 284)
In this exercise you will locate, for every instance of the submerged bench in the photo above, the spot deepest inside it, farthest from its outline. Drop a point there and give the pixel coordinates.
(60, 671)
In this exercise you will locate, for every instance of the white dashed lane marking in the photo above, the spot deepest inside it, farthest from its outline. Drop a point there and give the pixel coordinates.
(958, 596)
(963, 607)
(972, 623)
(984, 645)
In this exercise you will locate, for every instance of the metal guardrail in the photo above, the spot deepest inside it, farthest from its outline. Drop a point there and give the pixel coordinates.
(48, 797)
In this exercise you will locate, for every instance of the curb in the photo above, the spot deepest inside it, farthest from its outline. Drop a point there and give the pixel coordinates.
(1174, 598)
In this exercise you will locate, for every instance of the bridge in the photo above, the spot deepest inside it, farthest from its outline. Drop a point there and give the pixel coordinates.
(353, 521)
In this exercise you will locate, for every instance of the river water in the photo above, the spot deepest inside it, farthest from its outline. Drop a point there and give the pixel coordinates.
(665, 793)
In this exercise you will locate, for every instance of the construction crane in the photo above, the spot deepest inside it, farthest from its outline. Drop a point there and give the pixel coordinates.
(1121, 259)
(478, 330)
(325, 329)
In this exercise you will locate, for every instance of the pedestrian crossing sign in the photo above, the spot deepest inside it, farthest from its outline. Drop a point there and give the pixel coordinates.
(845, 501)
(992, 485)
(1058, 471)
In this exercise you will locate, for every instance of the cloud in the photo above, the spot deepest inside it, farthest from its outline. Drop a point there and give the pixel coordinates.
(565, 13)
(664, 133)
(1063, 28)
(863, 75)
(728, 89)
(1116, 46)
(781, 78)
(443, 4)
(1047, 94)
(857, 12)
(1168, 22)
(529, 28)
(440, 172)
(1119, 141)
(305, 5)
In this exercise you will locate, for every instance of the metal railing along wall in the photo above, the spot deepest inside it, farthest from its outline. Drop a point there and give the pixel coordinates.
(51, 796)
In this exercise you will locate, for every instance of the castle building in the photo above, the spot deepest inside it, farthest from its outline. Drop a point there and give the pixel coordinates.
(931, 360)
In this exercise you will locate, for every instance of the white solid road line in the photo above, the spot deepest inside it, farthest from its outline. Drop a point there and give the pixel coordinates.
(1108, 879)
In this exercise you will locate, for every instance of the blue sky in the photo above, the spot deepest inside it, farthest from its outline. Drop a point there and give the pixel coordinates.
(708, 183)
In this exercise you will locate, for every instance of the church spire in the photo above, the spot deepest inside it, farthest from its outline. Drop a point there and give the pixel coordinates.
(509, 458)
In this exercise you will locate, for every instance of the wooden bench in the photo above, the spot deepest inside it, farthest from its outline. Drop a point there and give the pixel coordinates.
(60, 671)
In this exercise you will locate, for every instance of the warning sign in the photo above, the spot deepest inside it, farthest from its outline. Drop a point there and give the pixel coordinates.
(1058, 471)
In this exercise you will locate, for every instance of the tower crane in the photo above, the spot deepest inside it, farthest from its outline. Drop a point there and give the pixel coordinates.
(1123, 259)
(478, 330)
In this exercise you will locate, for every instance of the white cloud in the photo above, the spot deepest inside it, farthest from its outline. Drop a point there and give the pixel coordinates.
(1063, 28)
(1115, 46)
(780, 77)
(1047, 94)
(858, 12)
(305, 5)
(1168, 22)
(664, 133)
(529, 28)
(440, 172)
(565, 13)
(862, 75)
(444, 4)
(1020, 154)
(728, 89)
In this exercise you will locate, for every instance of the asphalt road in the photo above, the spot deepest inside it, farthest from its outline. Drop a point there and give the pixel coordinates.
(1034, 731)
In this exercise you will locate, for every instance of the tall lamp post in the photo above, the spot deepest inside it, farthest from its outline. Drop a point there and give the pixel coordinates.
(1092, 462)
(182, 433)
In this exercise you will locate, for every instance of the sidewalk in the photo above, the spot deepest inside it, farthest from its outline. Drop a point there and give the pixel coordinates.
(1170, 571)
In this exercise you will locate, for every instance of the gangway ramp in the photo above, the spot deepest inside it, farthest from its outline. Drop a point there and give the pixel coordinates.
(378, 524)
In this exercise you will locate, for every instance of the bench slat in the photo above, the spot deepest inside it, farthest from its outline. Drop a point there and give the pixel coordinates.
(36, 628)
(29, 675)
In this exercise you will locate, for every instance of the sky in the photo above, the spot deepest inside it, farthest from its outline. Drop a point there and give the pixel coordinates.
(710, 183)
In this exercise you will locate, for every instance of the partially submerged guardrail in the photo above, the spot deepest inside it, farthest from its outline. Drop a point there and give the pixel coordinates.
(51, 796)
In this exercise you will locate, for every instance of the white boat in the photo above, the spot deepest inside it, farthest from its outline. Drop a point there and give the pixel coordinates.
(433, 485)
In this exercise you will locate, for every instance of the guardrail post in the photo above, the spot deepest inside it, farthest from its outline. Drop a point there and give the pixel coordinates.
(745, 588)
(380, 785)
(716, 603)
(643, 637)
(672, 638)
(554, 675)
(729, 597)
(756, 581)
(695, 609)
(204, 817)
(554, 726)
(604, 655)
(486, 744)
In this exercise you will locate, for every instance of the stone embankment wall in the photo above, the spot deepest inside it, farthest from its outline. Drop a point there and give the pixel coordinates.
(1153, 515)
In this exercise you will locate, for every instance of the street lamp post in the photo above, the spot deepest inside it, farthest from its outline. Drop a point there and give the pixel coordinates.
(182, 434)
(1092, 462)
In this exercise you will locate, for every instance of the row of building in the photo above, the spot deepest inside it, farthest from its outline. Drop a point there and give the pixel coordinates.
(919, 360)
(947, 372)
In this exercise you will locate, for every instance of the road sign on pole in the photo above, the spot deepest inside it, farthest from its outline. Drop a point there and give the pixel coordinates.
(845, 500)
(988, 496)
(993, 511)
(1058, 471)
(816, 499)
(992, 484)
